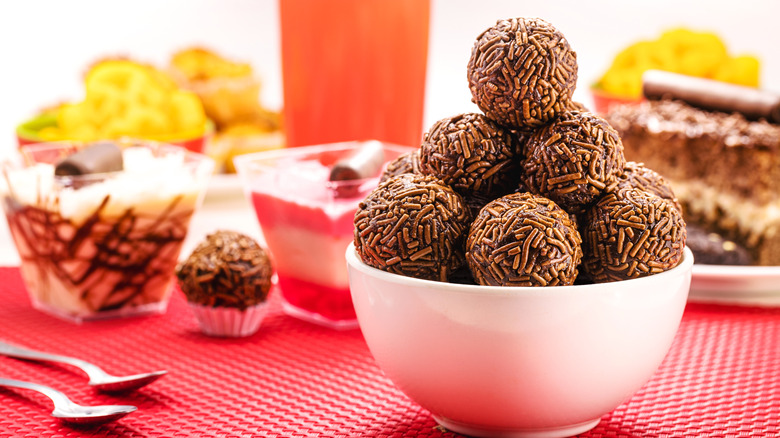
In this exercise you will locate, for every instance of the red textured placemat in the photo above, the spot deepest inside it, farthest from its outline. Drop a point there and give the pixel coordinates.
(293, 379)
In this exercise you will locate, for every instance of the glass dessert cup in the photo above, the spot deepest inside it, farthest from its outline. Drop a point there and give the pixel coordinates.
(102, 245)
(307, 223)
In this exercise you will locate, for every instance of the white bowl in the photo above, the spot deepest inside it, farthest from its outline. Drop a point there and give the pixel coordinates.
(518, 361)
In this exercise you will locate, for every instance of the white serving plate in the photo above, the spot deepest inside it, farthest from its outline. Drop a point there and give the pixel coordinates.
(747, 285)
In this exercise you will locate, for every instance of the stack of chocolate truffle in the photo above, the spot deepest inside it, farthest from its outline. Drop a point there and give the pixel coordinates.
(533, 191)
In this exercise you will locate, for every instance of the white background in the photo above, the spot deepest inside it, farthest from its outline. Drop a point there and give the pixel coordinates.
(45, 46)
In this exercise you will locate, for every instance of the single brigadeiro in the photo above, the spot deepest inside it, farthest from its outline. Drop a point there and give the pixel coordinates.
(522, 72)
(226, 280)
(523, 240)
(573, 160)
(471, 154)
(631, 233)
(405, 163)
(636, 175)
(412, 225)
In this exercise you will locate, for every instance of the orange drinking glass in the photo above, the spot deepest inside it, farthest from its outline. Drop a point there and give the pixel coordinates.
(354, 70)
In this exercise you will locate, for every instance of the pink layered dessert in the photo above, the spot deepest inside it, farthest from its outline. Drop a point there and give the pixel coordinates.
(308, 230)
(307, 223)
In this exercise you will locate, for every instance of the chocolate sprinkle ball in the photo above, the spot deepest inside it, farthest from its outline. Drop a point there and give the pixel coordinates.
(636, 175)
(631, 233)
(522, 72)
(573, 160)
(523, 240)
(471, 154)
(405, 163)
(412, 225)
(228, 269)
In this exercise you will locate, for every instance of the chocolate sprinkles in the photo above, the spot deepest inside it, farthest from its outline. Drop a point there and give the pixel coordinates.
(227, 269)
(636, 175)
(522, 72)
(573, 160)
(631, 233)
(405, 163)
(412, 225)
(471, 154)
(579, 213)
(523, 240)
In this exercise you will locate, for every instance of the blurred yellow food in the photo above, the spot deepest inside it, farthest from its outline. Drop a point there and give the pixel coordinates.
(261, 134)
(230, 93)
(700, 54)
(198, 63)
(228, 90)
(129, 99)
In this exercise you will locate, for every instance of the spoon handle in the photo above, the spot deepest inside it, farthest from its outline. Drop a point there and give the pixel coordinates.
(61, 401)
(93, 371)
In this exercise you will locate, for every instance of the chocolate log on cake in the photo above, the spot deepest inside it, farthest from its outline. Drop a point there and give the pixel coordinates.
(718, 145)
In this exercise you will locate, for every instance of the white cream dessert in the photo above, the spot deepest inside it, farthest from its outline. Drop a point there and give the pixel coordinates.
(104, 244)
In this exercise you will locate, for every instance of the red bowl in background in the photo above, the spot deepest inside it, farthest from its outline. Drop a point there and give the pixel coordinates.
(604, 101)
(27, 133)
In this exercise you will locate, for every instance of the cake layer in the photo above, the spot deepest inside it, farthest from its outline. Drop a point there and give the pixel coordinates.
(756, 227)
(724, 169)
(723, 151)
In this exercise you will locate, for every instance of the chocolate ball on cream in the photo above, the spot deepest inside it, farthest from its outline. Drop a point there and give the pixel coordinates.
(472, 154)
(522, 72)
(631, 233)
(573, 160)
(412, 225)
(523, 240)
(101, 157)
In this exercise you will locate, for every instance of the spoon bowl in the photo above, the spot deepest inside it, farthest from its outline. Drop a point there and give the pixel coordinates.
(98, 379)
(109, 383)
(69, 411)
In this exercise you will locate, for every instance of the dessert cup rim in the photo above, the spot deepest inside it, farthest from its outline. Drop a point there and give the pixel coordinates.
(198, 159)
(253, 163)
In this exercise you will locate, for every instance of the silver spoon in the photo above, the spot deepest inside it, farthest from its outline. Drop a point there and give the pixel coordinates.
(98, 378)
(71, 412)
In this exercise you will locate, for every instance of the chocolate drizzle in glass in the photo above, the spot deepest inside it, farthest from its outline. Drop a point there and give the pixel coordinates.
(109, 261)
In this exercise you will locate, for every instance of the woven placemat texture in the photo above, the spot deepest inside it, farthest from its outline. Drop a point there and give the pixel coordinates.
(294, 379)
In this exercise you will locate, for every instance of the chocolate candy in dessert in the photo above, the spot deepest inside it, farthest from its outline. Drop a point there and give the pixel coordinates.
(573, 160)
(227, 269)
(709, 94)
(412, 225)
(364, 162)
(471, 154)
(405, 163)
(631, 233)
(523, 239)
(712, 249)
(94, 158)
(638, 176)
(522, 72)
(226, 280)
